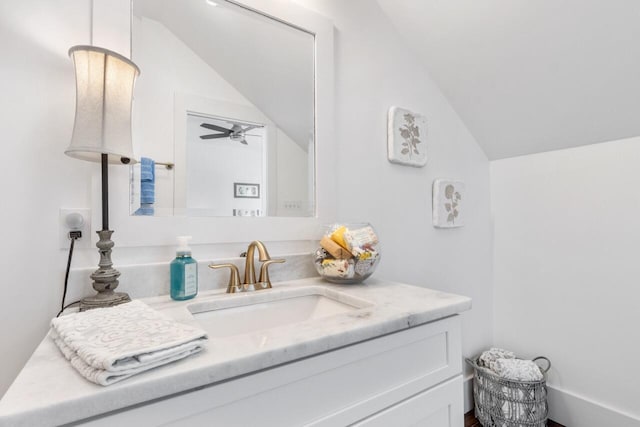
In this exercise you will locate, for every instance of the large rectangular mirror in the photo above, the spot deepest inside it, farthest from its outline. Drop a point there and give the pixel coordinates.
(226, 99)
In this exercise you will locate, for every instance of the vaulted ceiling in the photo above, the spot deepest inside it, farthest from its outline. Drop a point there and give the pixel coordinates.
(528, 76)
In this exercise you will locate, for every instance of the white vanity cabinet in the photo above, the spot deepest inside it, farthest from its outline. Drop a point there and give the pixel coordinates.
(391, 356)
(407, 378)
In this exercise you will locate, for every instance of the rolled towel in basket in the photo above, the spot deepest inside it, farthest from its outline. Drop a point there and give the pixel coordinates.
(487, 357)
(106, 345)
(517, 369)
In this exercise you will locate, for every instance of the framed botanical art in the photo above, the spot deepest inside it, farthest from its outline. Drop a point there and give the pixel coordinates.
(406, 137)
(243, 190)
(448, 207)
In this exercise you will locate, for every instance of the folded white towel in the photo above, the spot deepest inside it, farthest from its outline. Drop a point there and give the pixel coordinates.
(107, 345)
(487, 358)
(517, 369)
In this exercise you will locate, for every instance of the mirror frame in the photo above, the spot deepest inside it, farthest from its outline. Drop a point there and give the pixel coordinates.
(132, 231)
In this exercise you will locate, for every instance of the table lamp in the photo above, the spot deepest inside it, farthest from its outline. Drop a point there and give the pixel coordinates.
(102, 133)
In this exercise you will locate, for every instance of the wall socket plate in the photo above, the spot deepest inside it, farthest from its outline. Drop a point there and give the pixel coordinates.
(85, 240)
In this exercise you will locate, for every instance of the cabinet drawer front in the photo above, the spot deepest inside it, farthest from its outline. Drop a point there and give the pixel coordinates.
(441, 406)
(339, 387)
(427, 358)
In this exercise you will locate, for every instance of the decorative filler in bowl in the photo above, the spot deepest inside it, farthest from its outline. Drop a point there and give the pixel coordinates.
(348, 253)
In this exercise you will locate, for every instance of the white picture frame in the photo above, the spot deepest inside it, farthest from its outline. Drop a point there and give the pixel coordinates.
(406, 137)
(243, 190)
(448, 203)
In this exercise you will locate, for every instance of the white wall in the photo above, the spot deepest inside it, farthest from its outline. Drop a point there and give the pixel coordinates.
(567, 227)
(294, 170)
(36, 178)
(376, 70)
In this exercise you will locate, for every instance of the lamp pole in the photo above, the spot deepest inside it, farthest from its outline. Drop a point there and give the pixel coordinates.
(105, 278)
(104, 159)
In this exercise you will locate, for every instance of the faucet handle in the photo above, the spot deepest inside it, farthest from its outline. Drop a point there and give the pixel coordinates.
(264, 280)
(234, 277)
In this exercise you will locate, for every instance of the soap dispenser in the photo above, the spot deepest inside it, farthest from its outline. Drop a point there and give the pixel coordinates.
(184, 272)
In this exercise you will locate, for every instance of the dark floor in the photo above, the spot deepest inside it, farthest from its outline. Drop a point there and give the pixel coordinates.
(471, 421)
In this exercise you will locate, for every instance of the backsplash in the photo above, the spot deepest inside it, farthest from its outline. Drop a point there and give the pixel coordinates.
(148, 280)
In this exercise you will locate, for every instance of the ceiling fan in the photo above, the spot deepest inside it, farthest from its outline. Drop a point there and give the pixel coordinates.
(235, 133)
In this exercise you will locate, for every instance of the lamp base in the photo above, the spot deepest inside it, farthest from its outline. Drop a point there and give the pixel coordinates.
(103, 299)
(105, 278)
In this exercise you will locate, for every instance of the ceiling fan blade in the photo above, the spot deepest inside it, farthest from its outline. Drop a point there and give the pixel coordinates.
(244, 141)
(215, 136)
(215, 127)
(251, 127)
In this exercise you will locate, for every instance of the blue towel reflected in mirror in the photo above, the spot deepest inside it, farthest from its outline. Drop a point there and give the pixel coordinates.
(147, 186)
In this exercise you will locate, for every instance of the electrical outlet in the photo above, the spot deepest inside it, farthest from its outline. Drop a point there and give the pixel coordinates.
(75, 220)
(292, 204)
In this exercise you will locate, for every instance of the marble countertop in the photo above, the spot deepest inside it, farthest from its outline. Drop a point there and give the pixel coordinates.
(48, 391)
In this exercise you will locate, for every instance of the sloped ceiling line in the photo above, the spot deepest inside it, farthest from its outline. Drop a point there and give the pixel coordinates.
(530, 76)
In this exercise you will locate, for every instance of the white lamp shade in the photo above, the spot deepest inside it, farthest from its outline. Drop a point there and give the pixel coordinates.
(104, 94)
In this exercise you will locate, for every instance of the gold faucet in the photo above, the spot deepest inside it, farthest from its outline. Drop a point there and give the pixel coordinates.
(234, 278)
(250, 283)
(249, 268)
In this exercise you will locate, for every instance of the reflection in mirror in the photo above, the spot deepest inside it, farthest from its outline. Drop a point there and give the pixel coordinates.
(234, 153)
(227, 95)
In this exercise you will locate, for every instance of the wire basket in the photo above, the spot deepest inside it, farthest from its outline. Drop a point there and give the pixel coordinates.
(500, 402)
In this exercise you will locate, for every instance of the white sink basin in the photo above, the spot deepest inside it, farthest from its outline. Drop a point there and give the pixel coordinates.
(260, 310)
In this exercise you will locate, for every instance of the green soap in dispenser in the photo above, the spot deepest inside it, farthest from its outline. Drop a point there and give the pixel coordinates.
(184, 272)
